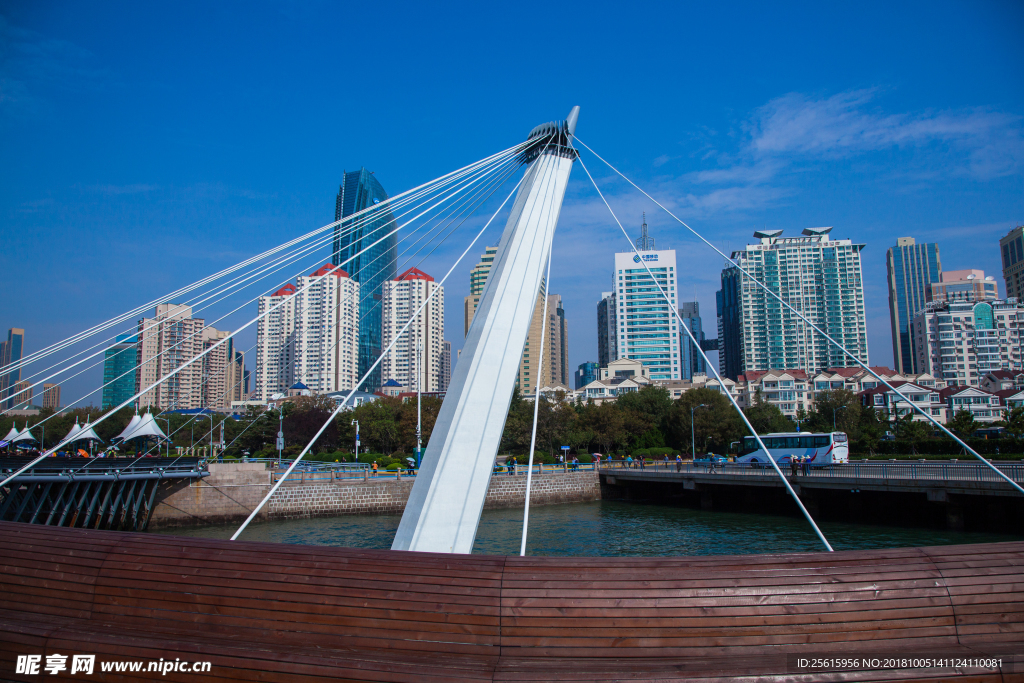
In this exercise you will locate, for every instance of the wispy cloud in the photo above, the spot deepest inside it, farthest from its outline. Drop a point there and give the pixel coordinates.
(31, 62)
(981, 142)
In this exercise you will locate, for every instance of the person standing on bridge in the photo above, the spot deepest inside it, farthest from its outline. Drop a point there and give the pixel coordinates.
(679, 462)
(792, 466)
(374, 468)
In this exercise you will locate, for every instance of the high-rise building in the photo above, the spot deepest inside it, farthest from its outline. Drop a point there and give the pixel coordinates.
(556, 370)
(119, 370)
(415, 359)
(310, 334)
(446, 365)
(477, 280)
(606, 346)
(219, 369)
(544, 365)
(369, 252)
(691, 362)
(585, 374)
(11, 351)
(912, 269)
(964, 285)
(646, 326)
(21, 395)
(51, 396)
(817, 275)
(1012, 248)
(961, 342)
(166, 343)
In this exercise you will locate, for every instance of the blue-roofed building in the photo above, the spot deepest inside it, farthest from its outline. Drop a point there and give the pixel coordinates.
(370, 268)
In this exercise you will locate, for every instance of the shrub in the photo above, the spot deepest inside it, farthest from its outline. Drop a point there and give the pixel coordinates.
(393, 466)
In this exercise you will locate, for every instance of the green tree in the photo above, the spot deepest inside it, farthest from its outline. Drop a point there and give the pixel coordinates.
(911, 430)
(835, 406)
(963, 423)
(718, 424)
(766, 417)
(605, 421)
(1015, 422)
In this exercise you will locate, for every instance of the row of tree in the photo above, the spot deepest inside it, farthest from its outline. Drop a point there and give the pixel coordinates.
(701, 420)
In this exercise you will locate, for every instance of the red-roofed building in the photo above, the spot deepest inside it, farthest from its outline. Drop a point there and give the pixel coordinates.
(287, 290)
(326, 268)
(891, 405)
(414, 274)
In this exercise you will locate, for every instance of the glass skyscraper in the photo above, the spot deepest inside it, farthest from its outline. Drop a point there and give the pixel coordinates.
(371, 268)
(691, 362)
(119, 370)
(817, 275)
(911, 269)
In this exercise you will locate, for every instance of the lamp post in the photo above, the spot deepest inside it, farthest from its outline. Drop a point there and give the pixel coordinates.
(167, 448)
(419, 415)
(356, 423)
(693, 438)
(834, 416)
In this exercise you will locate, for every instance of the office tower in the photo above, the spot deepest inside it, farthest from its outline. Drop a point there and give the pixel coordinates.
(477, 280)
(247, 379)
(166, 343)
(370, 268)
(965, 286)
(119, 370)
(527, 378)
(218, 369)
(606, 346)
(960, 342)
(51, 396)
(545, 365)
(645, 328)
(690, 361)
(11, 351)
(239, 377)
(912, 269)
(817, 275)
(585, 374)
(1012, 248)
(310, 335)
(415, 360)
(21, 395)
(446, 365)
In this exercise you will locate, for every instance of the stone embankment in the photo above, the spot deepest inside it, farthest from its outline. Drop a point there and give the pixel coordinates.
(233, 490)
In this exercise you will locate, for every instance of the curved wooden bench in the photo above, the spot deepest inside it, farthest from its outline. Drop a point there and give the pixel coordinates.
(261, 611)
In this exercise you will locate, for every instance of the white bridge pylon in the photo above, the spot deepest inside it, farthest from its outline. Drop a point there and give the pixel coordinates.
(444, 507)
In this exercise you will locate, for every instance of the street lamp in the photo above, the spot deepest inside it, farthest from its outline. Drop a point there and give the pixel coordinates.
(167, 421)
(356, 423)
(834, 416)
(419, 426)
(693, 439)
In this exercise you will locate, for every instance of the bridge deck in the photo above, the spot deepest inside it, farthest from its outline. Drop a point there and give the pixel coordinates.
(283, 612)
(952, 477)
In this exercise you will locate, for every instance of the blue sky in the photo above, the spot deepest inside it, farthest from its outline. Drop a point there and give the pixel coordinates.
(145, 145)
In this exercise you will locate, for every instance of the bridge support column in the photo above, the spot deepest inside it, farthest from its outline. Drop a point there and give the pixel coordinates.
(706, 502)
(448, 495)
(954, 517)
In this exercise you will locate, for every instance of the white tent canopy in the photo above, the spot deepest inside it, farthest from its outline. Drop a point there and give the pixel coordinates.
(25, 435)
(71, 435)
(11, 435)
(147, 427)
(132, 425)
(87, 434)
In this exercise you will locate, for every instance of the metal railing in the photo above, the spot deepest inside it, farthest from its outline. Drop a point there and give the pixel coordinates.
(97, 469)
(929, 470)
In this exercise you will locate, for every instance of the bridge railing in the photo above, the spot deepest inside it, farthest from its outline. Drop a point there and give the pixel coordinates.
(86, 469)
(951, 471)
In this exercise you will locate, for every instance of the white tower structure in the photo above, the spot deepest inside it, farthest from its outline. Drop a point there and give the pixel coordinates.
(402, 297)
(444, 507)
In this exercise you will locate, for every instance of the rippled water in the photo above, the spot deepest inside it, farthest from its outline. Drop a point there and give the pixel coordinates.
(610, 528)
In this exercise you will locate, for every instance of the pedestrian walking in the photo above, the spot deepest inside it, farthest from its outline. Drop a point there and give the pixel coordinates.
(642, 461)
(374, 468)
(806, 465)
(679, 463)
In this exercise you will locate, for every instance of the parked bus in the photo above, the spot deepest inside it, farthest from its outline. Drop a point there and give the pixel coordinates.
(820, 449)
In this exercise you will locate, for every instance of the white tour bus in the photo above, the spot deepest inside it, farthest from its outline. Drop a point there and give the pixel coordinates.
(819, 449)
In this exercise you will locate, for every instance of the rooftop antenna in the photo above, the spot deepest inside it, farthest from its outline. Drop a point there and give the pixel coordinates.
(645, 243)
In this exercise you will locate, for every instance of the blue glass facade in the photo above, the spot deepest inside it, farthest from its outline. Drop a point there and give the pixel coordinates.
(912, 268)
(585, 374)
(11, 352)
(371, 268)
(119, 370)
(730, 337)
(691, 362)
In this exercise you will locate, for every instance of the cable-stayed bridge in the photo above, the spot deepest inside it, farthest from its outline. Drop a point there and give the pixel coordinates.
(438, 614)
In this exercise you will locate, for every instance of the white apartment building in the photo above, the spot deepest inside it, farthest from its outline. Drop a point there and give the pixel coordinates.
(166, 342)
(962, 342)
(819, 276)
(402, 297)
(310, 335)
(645, 327)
